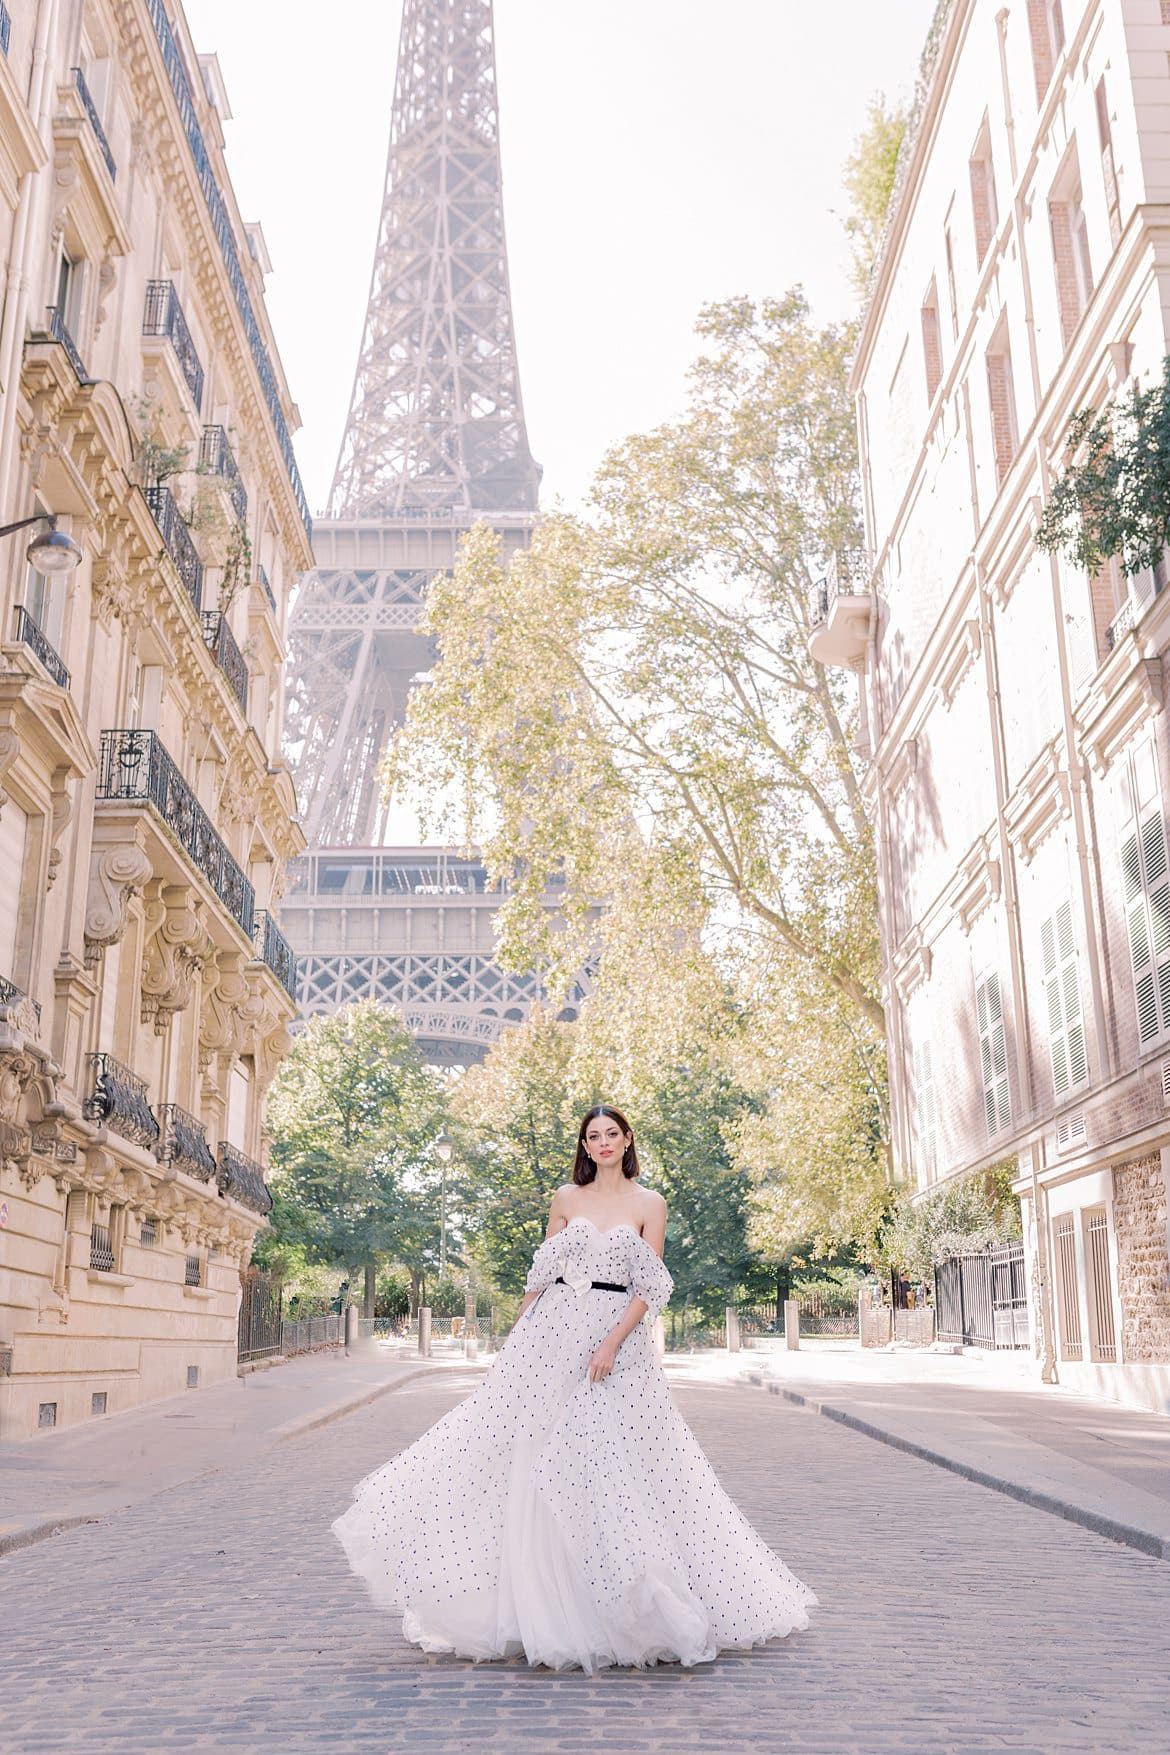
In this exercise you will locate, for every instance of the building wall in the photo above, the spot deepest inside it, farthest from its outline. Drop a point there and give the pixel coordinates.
(146, 815)
(1018, 706)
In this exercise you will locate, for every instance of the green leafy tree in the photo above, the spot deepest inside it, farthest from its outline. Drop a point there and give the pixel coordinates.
(354, 1112)
(962, 1218)
(868, 178)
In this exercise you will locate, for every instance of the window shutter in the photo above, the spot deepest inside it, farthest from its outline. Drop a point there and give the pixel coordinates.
(1062, 992)
(1146, 884)
(997, 1104)
(927, 1113)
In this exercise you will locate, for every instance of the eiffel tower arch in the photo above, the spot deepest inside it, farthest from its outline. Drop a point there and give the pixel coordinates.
(435, 442)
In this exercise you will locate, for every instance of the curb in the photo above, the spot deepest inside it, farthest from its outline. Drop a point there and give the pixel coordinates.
(1126, 1535)
(39, 1532)
(309, 1423)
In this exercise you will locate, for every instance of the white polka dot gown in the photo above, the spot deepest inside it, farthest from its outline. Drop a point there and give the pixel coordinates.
(579, 1523)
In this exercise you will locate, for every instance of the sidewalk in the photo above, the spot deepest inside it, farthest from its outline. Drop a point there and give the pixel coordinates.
(55, 1480)
(1091, 1462)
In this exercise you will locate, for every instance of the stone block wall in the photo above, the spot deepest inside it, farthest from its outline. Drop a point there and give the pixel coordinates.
(1143, 1266)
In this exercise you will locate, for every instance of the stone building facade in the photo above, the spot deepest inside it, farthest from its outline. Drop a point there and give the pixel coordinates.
(146, 815)
(1016, 708)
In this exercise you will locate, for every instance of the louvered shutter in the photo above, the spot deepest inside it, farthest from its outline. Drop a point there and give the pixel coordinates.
(997, 1105)
(1146, 884)
(1062, 992)
(927, 1116)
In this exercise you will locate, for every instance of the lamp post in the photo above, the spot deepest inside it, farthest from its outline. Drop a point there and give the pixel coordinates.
(50, 552)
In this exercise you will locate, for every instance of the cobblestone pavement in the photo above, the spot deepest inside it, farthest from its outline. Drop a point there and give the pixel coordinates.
(219, 1616)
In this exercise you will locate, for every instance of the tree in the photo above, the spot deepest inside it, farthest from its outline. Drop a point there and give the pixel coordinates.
(868, 178)
(354, 1112)
(962, 1218)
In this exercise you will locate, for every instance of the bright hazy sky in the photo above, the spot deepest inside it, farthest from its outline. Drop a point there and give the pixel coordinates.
(658, 154)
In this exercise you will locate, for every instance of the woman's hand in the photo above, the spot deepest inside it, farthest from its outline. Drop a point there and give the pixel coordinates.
(602, 1362)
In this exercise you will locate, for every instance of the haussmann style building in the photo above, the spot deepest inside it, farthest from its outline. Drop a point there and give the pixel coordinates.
(146, 815)
(1015, 708)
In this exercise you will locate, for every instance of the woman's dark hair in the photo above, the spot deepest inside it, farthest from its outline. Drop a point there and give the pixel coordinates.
(584, 1169)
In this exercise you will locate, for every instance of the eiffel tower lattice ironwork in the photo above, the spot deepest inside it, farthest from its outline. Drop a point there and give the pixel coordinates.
(435, 442)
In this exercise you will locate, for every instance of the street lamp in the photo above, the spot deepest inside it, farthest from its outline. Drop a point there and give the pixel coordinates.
(50, 552)
(444, 1146)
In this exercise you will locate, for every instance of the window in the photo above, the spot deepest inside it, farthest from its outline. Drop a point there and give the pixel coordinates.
(984, 208)
(101, 1248)
(99, 1401)
(1146, 888)
(193, 1273)
(997, 1106)
(1001, 394)
(931, 343)
(952, 295)
(1108, 168)
(1070, 256)
(67, 297)
(1046, 26)
(239, 1088)
(926, 1113)
(148, 1234)
(1102, 1334)
(13, 843)
(1062, 994)
(1068, 1296)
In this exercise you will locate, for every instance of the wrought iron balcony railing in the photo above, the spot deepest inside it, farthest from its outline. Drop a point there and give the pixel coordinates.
(217, 458)
(262, 578)
(276, 951)
(164, 316)
(846, 575)
(242, 1178)
(183, 1145)
(30, 635)
(57, 329)
(101, 1250)
(119, 1100)
(12, 998)
(222, 645)
(176, 539)
(95, 123)
(135, 766)
(5, 27)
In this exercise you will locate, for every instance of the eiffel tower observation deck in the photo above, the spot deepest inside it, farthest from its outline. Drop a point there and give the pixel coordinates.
(434, 443)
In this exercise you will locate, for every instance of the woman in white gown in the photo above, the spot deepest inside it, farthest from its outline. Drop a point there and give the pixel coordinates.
(565, 1510)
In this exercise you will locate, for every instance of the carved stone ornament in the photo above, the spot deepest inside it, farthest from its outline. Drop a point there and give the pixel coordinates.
(60, 817)
(225, 991)
(9, 750)
(16, 1140)
(116, 874)
(177, 947)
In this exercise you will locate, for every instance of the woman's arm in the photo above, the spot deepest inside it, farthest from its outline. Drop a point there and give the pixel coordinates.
(557, 1220)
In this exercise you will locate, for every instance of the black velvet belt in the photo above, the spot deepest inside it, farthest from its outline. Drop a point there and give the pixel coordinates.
(595, 1285)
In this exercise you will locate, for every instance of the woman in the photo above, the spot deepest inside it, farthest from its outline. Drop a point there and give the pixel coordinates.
(565, 1510)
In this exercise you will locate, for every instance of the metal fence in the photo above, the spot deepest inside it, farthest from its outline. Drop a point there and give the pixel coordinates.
(260, 1326)
(303, 1334)
(981, 1300)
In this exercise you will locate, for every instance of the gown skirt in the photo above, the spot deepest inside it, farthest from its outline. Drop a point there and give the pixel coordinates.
(578, 1524)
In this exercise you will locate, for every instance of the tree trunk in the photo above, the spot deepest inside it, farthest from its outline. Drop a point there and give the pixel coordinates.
(415, 1294)
(371, 1288)
(783, 1284)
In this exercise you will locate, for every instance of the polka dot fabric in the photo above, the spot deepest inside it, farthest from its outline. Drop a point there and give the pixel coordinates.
(577, 1523)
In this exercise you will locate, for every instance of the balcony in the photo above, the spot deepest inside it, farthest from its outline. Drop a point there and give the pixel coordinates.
(30, 635)
(839, 613)
(221, 643)
(275, 951)
(163, 317)
(184, 1143)
(217, 461)
(57, 330)
(176, 540)
(262, 581)
(243, 1179)
(99, 132)
(119, 1101)
(14, 999)
(134, 767)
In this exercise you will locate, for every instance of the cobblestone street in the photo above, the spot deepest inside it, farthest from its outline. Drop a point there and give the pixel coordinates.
(953, 1619)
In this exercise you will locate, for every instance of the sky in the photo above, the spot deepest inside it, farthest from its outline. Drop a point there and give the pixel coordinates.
(658, 155)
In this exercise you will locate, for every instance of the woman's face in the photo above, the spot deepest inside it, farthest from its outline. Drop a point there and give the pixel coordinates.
(604, 1141)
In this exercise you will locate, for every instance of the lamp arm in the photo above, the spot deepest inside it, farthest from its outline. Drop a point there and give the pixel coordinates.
(23, 523)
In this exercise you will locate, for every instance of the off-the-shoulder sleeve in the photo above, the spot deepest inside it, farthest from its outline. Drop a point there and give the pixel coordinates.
(546, 1263)
(649, 1277)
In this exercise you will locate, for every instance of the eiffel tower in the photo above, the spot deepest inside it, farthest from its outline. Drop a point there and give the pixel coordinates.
(435, 442)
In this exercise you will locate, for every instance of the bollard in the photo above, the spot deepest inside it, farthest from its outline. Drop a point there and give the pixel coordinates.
(731, 1315)
(351, 1328)
(791, 1325)
(424, 1331)
(471, 1344)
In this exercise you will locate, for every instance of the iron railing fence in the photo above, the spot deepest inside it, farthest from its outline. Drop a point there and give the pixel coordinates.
(217, 458)
(176, 539)
(263, 582)
(981, 1300)
(163, 315)
(183, 1145)
(5, 28)
(34, 637)
(57, 330)
(222, 227)
(276, 951)
(95, 121)
(846, 574)
(242, 1178)
(101, 1250)
(221, 643)
(135, 766)
(303, 1333)
(119, 1100)
(13, 996)
(193, 1271)
(259, 1335)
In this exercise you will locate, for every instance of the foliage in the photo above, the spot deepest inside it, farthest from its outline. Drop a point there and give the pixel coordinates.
(354, 1113)
(392, 1293)
(155, 460)
(961, 1218)
(1113, 496)
(868, 177)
